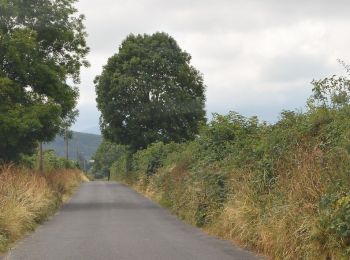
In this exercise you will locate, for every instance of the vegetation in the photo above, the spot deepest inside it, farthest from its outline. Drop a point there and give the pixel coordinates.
(42, 48)
(42, 45)
(149, 92)
(106, 154)
(28, 198)
(282, 189)
(50, 162)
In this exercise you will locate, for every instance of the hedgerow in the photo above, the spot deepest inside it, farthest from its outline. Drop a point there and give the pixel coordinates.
(280, 188)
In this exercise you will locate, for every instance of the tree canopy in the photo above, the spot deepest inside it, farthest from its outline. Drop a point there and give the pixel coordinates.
(42, 47)
(149, 92)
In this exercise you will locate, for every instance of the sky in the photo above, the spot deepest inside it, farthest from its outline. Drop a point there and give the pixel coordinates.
(257, 57)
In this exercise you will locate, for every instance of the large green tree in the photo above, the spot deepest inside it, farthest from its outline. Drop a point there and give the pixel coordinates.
(42, 48)
(149, 92)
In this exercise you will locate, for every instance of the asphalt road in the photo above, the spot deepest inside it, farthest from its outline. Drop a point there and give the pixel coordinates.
(110, 221)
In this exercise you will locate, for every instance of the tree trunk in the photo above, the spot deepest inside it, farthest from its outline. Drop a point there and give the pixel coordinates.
(66, 143)
(41, 159)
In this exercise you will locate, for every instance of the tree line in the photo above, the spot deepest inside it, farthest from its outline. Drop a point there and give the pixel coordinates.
(148, 91)
(42, 49)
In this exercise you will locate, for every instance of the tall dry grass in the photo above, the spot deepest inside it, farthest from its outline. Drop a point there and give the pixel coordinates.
(27, 198)
(283, 221)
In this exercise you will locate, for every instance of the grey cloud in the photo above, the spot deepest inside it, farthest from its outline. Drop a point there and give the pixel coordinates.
(257, 56)
(209, 16)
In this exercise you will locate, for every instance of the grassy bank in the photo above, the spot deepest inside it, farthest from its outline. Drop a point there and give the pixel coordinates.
(281, 189)
(28, 198)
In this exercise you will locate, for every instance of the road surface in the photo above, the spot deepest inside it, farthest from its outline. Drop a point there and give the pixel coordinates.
(110, 221)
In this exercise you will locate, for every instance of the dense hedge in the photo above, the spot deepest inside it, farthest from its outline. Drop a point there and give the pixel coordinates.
(282, 188)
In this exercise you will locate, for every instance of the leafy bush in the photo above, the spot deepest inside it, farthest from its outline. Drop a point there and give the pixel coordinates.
(50, 161)
(106, 154)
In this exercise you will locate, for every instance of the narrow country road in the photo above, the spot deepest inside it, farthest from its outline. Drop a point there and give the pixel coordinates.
(110, 221)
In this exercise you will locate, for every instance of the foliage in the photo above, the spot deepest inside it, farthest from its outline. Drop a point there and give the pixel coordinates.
(333, 92)
(149, 92)
(334, 221)
(282, 188)
(50, 162)
(42, 45)
(106, 154)
(67, 122)
(120, 168)
(150, 160)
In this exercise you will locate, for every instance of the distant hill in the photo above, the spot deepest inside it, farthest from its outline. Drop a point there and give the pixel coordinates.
(85, 144)
(93, 130)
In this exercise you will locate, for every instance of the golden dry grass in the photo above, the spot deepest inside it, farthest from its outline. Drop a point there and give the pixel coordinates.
(281, 224)
(27, 198)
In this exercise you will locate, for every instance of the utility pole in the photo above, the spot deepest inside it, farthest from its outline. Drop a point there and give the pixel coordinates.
(77, 147)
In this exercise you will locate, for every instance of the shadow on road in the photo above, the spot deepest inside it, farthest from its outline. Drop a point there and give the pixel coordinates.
(107, 205)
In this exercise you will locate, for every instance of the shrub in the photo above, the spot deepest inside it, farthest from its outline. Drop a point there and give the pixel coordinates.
(281, 188)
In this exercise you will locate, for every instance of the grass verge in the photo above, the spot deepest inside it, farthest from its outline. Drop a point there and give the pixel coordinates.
(28, 198)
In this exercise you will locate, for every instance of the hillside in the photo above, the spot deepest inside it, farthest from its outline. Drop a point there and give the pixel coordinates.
(85, 144)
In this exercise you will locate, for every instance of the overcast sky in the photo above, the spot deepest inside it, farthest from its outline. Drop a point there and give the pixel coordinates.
(257, 56)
